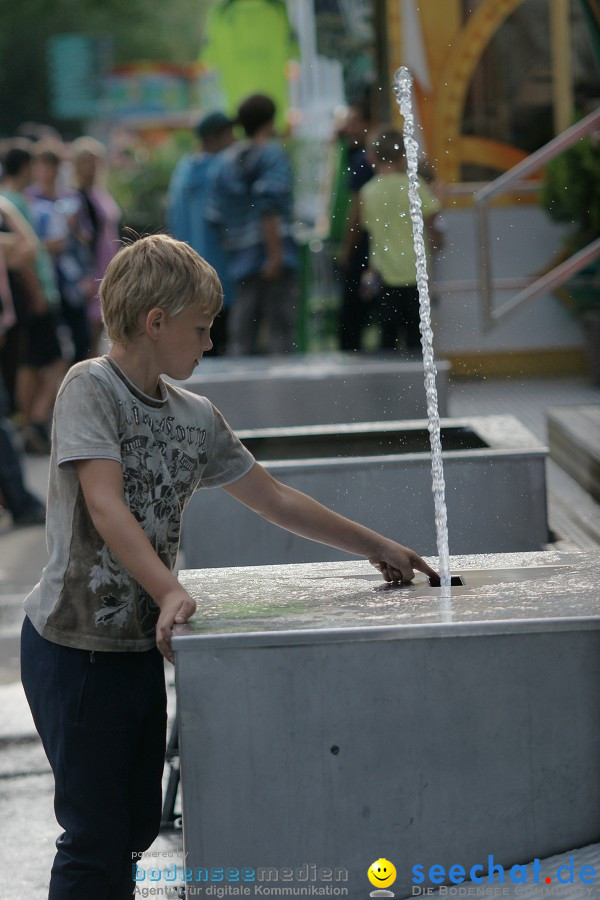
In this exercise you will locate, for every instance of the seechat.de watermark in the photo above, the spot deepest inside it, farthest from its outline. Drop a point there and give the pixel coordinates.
(525, 876)
(481, 880)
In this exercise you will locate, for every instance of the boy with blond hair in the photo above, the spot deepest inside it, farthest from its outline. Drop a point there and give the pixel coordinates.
(128, 451)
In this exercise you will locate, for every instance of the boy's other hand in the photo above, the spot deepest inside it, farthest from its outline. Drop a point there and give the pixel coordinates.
(397, 563)
(175, 608)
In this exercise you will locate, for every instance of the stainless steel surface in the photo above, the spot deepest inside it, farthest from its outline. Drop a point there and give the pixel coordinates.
(324, 723)
(558, 275)
(259, 392)
(502, 593)
(390, 492)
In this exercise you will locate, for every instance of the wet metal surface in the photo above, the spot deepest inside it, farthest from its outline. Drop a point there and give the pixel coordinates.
(501, 593)
(327, 719)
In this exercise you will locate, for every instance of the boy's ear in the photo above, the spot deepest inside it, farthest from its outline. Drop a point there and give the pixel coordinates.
(154, 321)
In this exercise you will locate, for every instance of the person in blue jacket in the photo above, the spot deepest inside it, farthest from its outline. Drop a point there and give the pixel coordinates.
(186, 219)
(251, 201)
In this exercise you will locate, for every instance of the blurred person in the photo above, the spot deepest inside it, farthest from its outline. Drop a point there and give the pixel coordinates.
(36, 131)
(186, 217)
(55, 214)
(251, 203)
(98, 222)
(35, 350)
(17, 247)
(354, 315)
(391, 280)
(24, 507)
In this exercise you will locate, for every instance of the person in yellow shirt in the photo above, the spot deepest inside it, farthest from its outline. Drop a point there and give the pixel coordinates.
(390, 280)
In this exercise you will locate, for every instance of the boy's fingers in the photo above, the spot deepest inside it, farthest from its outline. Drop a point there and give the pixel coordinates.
(163, 642)
(399, 575)
(187, 609)
(422, 566)
(183, 614)
(403, 572)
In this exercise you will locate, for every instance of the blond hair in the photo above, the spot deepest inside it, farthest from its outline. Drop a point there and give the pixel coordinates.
(87, 146)
(80, 151)
(155, 271)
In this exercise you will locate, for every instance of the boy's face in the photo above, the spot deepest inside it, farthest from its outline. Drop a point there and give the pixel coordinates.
(182, 341)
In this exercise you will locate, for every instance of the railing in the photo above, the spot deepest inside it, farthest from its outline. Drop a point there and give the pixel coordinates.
(531, 288)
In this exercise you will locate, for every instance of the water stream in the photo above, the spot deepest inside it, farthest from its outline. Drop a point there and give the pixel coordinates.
(402, 90)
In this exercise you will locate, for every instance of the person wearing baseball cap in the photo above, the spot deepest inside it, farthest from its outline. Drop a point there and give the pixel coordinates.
(215, 127)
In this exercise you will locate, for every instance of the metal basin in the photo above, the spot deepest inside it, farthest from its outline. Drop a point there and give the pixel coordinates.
(316, 389)
(380, 474)
(327, 721)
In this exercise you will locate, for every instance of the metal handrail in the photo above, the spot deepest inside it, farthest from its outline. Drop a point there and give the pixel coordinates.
(560, 273)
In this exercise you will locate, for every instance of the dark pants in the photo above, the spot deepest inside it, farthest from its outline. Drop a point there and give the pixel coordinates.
(102, 721)
(398, 314)
(354, 311)
(76, 318)
(269, 304)
(16, 496)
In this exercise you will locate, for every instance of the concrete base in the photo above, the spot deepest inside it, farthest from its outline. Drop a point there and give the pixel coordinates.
(326, 721)
(316, 389)
(380, 475)
(574, 441)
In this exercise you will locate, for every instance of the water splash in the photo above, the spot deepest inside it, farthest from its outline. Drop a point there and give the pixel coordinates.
(402, 90)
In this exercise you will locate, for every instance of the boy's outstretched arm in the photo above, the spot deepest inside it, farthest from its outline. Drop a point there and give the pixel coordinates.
(102, 485)
(299, 513)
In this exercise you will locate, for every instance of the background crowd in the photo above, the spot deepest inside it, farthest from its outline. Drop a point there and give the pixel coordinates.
(233, 201)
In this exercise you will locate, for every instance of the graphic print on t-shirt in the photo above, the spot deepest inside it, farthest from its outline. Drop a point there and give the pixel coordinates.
(161, 461)
(157, 487)
(167, 446)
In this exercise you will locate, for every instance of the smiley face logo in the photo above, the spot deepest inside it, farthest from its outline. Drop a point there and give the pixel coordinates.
(382, 873)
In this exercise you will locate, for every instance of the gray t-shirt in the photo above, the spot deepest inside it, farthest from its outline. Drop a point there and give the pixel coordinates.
(167, 448)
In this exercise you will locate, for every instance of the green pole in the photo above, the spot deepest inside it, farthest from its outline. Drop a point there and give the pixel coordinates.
(304, 311)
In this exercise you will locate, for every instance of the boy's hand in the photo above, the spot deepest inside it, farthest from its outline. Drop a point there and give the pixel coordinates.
(175, 608)
(397, 563)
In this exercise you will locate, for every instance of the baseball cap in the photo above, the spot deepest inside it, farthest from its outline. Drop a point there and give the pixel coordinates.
(213, 123)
